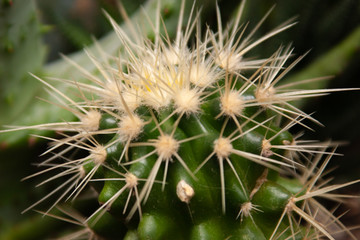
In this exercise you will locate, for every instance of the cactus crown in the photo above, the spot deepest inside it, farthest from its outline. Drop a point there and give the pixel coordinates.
(186, 141)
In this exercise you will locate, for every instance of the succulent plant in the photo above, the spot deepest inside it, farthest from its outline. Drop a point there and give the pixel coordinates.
(189, 139)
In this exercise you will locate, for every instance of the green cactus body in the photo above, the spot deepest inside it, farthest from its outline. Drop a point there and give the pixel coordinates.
(190, 205)
(192, 142)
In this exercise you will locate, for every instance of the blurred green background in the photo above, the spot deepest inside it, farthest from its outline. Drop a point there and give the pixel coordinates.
(33, 33)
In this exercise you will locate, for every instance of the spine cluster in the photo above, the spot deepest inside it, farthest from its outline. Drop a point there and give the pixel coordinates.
(189, 139)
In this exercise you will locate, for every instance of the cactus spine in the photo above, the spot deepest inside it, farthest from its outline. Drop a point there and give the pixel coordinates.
(191, 142)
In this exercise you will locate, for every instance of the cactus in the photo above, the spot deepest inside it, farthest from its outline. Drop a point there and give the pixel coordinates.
(181, 141)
